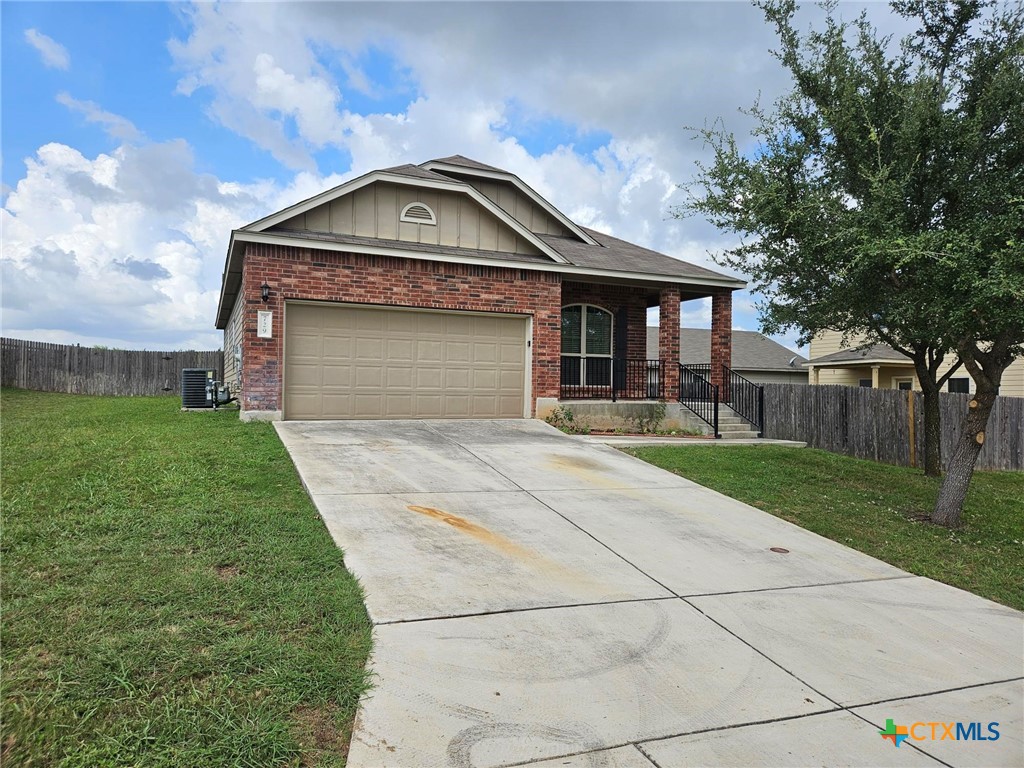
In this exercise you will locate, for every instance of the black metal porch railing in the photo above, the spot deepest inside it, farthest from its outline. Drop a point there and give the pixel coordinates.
(605, 378)
(745, 397)
(699, 395)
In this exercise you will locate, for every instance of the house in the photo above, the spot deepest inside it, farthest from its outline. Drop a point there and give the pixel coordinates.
(755, 357)
(879, 366)
(449, 289)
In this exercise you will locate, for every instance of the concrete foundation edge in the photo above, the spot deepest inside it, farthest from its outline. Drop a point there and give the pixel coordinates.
(260, 415)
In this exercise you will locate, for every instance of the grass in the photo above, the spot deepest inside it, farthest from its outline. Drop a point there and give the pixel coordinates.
(875, 508)
(170, 596)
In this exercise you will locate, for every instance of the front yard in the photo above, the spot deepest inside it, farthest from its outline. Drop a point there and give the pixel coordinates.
(873, 508)
(170, 595)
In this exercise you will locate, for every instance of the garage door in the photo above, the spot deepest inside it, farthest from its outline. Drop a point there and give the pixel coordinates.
(345, 362)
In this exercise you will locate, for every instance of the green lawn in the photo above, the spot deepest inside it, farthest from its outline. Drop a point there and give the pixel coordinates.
(873, 508)
(170, 596)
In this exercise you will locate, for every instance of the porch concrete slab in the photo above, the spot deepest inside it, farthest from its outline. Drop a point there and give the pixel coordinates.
(453, 554)
(833, 738)
(514, 687)
(1001, 703)
(701, 542)
(619, 757)
(873, 641)
(632, 441)
(382, 457)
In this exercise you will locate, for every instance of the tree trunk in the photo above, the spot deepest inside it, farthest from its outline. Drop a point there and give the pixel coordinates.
(961, 464)
(932, 420)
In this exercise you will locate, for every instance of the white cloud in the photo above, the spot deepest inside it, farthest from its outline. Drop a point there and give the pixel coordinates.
(125, 247)
(116, 126)
(54, 54)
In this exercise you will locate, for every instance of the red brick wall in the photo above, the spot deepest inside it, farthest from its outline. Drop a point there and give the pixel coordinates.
(613, 298)
(721, 338)
(308, 273)
(668, 340)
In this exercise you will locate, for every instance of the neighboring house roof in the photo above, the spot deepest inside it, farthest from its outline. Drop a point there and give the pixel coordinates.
(586, 253)
(867, 354)
(751, 351)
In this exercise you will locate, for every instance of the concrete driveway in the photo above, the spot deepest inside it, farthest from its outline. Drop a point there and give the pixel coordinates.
(546, 601)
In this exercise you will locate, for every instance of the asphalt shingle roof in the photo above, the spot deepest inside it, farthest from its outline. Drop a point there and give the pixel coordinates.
(750, 350)
(623, 256)
(415, 172)
(866, 352)
(466, 162)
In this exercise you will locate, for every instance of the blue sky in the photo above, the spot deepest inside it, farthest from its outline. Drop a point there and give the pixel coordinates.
(137, 135)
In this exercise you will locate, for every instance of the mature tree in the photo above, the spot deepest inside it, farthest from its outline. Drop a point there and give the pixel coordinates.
(880, 197)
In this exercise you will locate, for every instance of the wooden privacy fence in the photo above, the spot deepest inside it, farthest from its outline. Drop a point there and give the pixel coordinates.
(90, 371)
(875, 423)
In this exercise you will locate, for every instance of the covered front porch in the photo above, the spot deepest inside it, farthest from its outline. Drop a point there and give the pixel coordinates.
(604, 354)
(605, 357)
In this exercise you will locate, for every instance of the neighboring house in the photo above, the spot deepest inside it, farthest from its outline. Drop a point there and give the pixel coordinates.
(882, 367)
(755, 357)
(449, 289)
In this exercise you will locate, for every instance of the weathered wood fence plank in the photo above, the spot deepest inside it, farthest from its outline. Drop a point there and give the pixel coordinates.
(874, 423)
(89, 371)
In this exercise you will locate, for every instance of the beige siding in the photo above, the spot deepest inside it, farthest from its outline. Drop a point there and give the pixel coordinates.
(829, 342)
(774, 377)
(233, 346)
(375, 211)
(519, 206)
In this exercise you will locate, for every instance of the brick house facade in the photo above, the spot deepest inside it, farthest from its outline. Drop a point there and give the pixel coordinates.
(454, 239)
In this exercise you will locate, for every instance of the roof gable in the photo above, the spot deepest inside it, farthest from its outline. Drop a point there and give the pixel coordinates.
(405, 176)
(462, 167)
(377, 211)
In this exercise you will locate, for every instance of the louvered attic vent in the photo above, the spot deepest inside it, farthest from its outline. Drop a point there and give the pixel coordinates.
(418, 213)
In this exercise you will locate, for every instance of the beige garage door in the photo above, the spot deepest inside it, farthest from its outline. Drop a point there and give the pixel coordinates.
(357, 363)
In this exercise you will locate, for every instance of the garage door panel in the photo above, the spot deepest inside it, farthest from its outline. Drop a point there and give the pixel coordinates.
(430, 350)
(427, 406)
(428, 378)
(400, 350)
(485, 352)
(367, 406)
(458, 351)
(353, 362)
(370, 349)
(337, 347)
(457, 378)
(305, 375)
(369, 377)
(336, 376)
(457, 407)
(398, 378)
(484, 379)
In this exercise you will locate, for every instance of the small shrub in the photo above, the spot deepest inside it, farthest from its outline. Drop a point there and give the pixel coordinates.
(564, 419)
(648, 417)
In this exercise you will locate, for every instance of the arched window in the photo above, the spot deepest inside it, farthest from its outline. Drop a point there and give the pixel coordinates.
(586, 345)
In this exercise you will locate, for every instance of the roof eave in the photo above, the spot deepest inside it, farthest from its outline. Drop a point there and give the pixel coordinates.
(275, 238)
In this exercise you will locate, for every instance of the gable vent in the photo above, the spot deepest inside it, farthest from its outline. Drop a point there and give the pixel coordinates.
(418, 213)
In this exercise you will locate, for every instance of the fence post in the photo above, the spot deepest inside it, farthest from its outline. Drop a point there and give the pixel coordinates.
(911, 425)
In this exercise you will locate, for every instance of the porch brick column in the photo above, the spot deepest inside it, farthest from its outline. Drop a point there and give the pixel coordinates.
(721, 339)
(668, 341)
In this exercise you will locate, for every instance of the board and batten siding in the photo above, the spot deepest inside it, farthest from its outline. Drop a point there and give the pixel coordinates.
(375, 210)
(519, 206)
